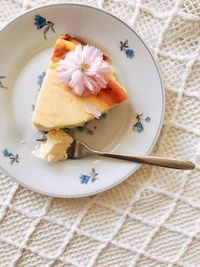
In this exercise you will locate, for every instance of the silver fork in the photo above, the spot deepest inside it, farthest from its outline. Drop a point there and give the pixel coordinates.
(79, 150)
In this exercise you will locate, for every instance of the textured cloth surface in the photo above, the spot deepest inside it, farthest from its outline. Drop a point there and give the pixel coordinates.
(151, 219)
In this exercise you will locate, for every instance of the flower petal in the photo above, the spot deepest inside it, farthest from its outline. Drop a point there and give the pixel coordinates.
(91, 109)
(77, 78)
(79, 89)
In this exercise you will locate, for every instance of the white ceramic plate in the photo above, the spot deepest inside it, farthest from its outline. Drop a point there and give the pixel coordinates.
(24, 56)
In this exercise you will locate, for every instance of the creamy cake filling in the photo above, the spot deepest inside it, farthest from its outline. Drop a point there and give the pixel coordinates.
(55, 148)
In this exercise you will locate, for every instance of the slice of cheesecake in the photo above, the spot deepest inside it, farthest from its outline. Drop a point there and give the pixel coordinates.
(57, 107)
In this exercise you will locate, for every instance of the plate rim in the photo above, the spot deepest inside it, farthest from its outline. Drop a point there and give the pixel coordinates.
(163, 102)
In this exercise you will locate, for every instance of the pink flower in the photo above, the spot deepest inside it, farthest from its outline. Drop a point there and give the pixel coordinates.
(93, 110)
(84, 70)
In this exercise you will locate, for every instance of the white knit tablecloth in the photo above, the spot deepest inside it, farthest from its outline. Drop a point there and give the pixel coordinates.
(151, 219)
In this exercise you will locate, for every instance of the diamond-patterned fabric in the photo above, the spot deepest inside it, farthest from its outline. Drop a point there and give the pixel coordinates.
(151, 219)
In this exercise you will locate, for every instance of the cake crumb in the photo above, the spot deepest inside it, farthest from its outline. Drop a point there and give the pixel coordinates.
(22, 142)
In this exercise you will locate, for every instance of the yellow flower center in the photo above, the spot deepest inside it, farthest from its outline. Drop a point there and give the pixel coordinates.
(83, 67)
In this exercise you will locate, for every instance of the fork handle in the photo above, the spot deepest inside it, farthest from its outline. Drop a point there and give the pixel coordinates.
(158, 161)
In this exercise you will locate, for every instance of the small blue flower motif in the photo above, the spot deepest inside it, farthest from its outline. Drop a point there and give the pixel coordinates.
(129, 53)
(84, 179)
(40, 22)
(92, 177)
(148, 119)
(124, 46)
(138, 127)
(41, 78)
(7, 153)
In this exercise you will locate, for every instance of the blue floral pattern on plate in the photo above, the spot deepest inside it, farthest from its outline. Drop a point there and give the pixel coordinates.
(92, 177)
(86, 128)
(1, 83)
(40, 22)
(124, 46)
(8, 154)
(41, 78)
(138, 126)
